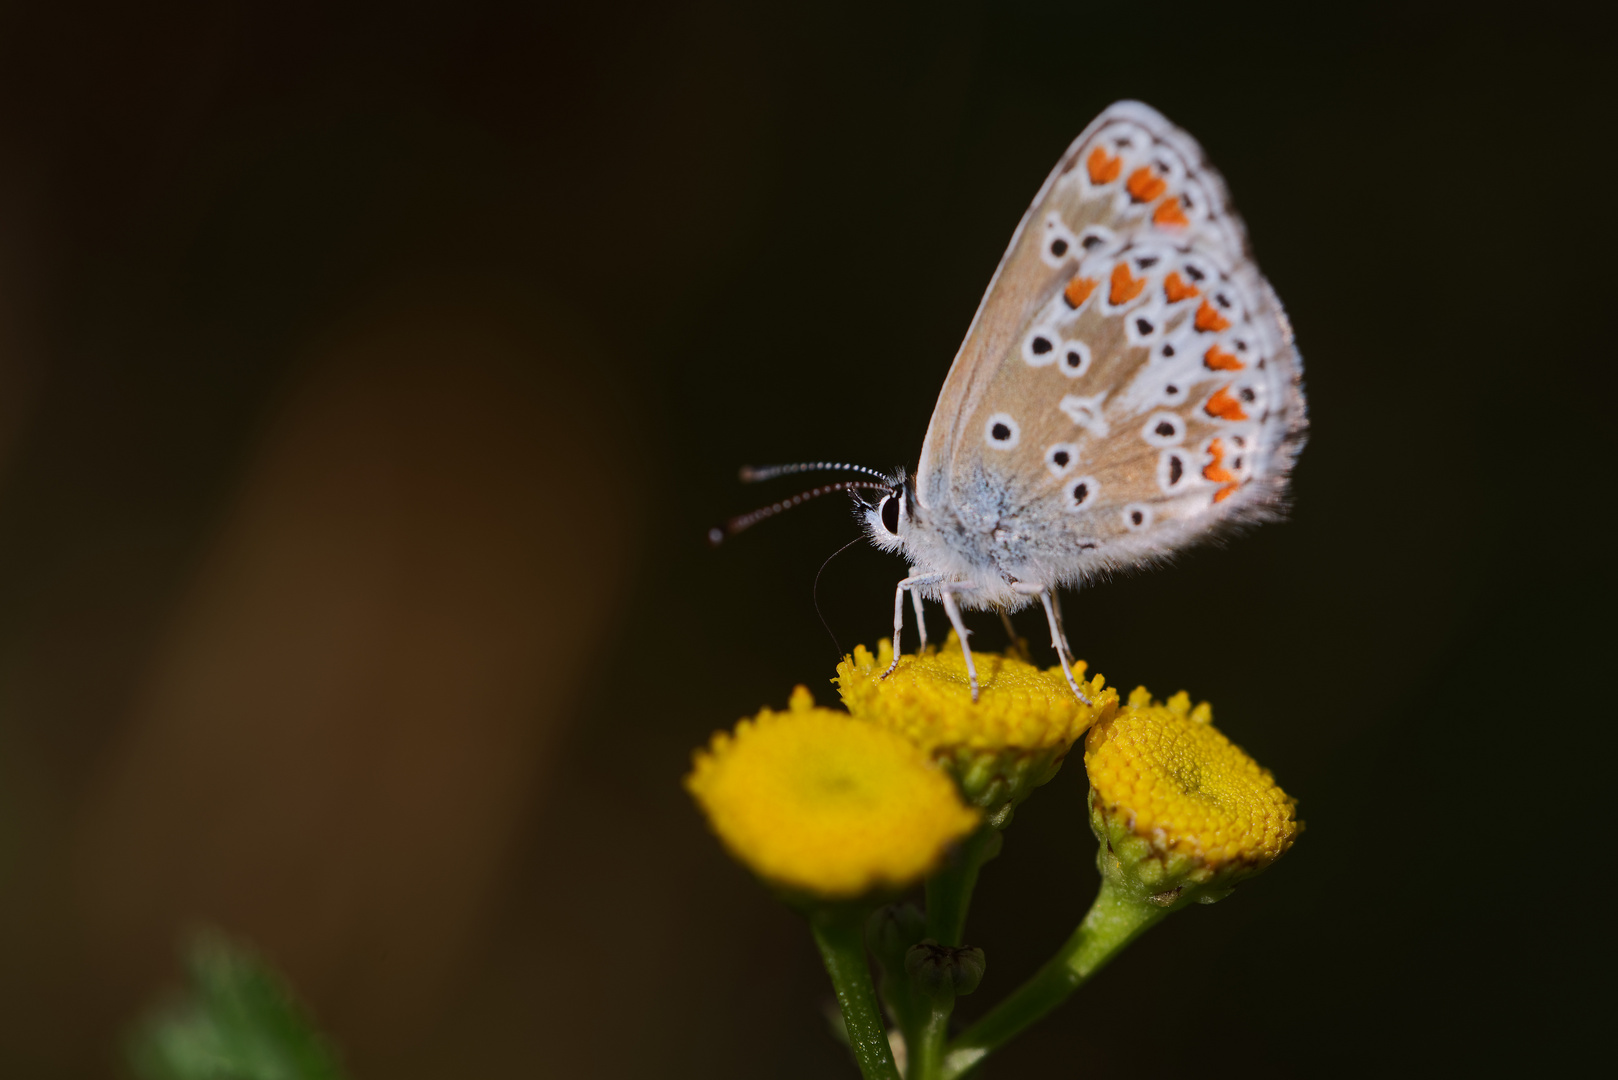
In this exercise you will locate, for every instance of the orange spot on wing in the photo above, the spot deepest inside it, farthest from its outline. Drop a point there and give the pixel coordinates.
(1169, 215)
(1223, 406)
(1225, 492)
(1144, 185)
(1125, 286)
(1209, 319)
(1215, 469)
(1176, 289)
(1218, 359)
(1078, 291)
(1104, 168)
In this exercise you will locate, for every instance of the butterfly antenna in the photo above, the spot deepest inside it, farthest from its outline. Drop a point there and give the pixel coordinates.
(717, 535)
(814, 594)
(753, 474)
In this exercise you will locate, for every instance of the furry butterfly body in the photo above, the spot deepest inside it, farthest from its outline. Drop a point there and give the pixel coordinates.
(1129, 386)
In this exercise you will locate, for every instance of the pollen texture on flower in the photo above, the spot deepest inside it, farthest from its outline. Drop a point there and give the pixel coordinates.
(817, 801)
(1165, 774)
(1001, 747)
(928, 699)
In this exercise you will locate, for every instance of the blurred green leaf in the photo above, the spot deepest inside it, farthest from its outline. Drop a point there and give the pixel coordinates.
(236, 1021)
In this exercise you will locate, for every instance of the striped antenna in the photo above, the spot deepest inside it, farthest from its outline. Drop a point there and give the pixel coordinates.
(718, 533)
(752, 474)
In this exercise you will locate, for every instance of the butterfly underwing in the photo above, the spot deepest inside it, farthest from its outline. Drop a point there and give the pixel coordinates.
(1129, 386)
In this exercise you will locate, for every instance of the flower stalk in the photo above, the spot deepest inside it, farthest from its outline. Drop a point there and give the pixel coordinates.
(1113, 921)
(839, 932)
(949, 892)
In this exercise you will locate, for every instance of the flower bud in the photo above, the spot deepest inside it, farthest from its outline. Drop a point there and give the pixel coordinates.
(891, 930)
(939, 970)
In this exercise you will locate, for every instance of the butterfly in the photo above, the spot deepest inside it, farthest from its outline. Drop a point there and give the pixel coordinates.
(1128, 387)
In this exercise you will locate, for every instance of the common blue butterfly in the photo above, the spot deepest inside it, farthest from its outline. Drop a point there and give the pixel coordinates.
(1128, 387)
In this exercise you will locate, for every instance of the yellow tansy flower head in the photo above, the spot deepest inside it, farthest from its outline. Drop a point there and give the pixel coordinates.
(1177, 805)
(820, 803)
(999, 748)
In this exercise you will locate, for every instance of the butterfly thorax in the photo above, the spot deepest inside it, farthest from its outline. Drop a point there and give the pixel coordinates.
(981, 554)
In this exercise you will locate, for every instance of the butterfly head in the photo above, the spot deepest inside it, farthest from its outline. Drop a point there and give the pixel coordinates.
(889, 519)
(751, 474)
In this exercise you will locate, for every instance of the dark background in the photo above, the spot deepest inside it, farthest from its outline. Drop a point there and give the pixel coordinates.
(369, 378)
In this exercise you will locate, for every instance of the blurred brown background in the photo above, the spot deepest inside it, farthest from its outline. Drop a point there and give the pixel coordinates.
(369, 377)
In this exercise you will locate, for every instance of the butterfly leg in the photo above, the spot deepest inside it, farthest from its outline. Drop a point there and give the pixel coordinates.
(953, 610)
(1061, 631)
(1053, 613)
(921, 620)
(1011, 631)
(899, 610)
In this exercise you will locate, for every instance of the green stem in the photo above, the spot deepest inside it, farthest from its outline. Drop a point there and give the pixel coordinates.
(927, 1050)
(917, 1024)
(840, 935)
(1114, 920)
(949, 896)
(949, 892)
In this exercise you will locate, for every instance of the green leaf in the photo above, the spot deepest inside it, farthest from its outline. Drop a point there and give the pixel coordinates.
(236, 1021)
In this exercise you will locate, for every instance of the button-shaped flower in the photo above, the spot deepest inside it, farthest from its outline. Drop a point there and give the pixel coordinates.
(821, 803)
(1179, 808)
(1010, 741)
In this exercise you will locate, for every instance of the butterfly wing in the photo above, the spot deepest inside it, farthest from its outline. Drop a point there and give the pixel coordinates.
(1129, 382)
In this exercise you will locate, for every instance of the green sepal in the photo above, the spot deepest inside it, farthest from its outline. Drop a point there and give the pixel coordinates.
(1140, 870)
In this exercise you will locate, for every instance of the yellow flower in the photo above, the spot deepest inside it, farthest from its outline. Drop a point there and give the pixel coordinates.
(818, 802)
(1177, 804)
(1013, 739)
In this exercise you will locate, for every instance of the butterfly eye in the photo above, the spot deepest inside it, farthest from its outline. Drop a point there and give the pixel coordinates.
(890, 514)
